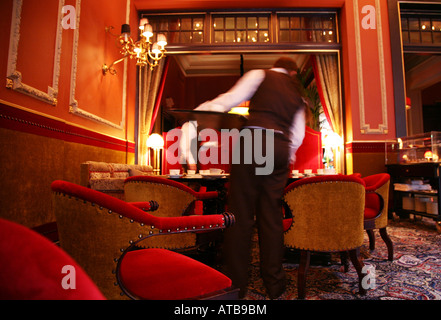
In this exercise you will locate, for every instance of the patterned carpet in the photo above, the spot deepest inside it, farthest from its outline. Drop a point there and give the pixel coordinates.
(415, 273)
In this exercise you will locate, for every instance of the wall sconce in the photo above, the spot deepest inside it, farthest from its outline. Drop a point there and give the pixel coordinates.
(144, 50)
(155, 142)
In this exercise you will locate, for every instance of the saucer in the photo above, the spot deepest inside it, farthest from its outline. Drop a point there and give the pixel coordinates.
(174, 176)
(214, 176)
(193, 176)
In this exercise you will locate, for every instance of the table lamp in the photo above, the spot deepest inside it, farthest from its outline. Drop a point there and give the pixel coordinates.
(155, 142)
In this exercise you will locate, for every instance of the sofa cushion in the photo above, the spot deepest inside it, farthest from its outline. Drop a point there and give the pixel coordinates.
(107, 184)
(94, 174)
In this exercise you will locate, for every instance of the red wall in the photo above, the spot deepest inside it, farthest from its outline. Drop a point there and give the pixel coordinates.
(104, 97)
(57, 109)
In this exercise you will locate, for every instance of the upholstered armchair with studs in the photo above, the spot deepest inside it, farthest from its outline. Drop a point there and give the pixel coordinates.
(376, 209)
(327, 216)
(175, 200)
(105, 234)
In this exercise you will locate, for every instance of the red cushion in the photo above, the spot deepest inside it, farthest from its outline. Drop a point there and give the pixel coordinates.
(370, 213)
(375, 181)
(287, 224)
(32, 268)
(159, 274)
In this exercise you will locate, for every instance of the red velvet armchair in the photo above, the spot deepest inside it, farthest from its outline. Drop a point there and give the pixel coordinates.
(105, 236)
(175, 200)
(32, 268)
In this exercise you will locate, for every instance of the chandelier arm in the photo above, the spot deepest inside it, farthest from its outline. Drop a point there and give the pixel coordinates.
(156, 57)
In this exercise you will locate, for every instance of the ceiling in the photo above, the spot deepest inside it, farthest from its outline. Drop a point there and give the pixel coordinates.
(230, 64)
(144, 5)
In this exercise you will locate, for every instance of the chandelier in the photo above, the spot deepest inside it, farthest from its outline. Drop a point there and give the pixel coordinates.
(144, 50)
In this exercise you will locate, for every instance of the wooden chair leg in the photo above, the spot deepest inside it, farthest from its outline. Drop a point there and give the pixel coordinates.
(389, 244)
(371, 236)
(303, 269)
(358, 264)
(344, 260)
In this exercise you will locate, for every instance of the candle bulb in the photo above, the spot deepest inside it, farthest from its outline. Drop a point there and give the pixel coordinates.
(155, 50)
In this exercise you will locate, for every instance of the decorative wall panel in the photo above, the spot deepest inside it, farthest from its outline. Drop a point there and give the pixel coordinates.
(15, 77)
(92, 78)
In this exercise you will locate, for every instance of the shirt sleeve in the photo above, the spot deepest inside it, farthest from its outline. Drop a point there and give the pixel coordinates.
(189, 134)
(297, 133)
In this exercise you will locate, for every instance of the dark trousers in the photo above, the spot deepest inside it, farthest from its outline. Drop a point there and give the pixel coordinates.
(258, 199)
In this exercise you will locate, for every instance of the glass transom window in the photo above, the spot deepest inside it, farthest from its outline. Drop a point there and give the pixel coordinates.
(307, 28)
(236, 28)
(179, 28)
(418, 29)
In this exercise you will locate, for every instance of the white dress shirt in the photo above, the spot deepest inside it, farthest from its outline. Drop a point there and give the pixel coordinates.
(242, 91)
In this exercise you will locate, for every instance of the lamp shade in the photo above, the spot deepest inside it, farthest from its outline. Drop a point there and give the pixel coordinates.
(125, 28)
(155, 141)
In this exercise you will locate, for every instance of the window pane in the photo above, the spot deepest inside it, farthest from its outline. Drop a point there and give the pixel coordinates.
(185, 37)
(240, 23)
(253, 36)
(198, 36)
(186, 24)
(229, 23)
(426, 37)
(295, 23)
(284, 22)
(414, 36)
(263, 36)
(198, 24)
(230, 36)
(241, 36)
(414, 24)
(252, 23)
(328, 23)
(218, 23)
(436, 25)
(163, 24)
(306, 36)
(173, 37)
(425, 24)
(263, 22)
(284, 36)
(174, 24)
(295, 36)
(437, 37)
(218, 36)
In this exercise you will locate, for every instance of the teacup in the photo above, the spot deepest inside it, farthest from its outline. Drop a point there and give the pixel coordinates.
(191, 172)
(308, 171)
(174, 172)
(295, 172)
(204, 171)
(319, 171)
(216, 171)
